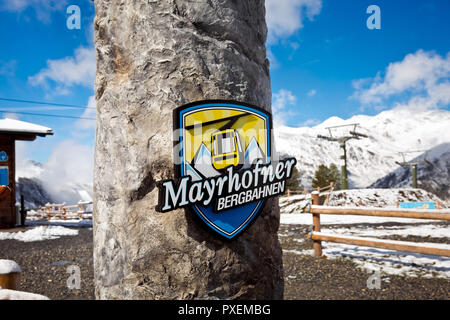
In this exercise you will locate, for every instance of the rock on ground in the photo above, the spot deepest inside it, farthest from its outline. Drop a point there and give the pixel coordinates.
(153, 56)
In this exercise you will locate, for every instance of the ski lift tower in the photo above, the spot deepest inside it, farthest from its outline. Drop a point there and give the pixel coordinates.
(342, 140)
(414, 164)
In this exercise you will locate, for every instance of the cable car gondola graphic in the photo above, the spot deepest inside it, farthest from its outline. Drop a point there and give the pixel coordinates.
(226, 145)
(217, 135)
(226, 149)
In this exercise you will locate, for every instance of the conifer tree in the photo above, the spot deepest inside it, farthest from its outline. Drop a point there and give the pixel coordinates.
(324, 175)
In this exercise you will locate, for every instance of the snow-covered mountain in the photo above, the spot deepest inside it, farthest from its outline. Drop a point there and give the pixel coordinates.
(373, 158)
(32, 182)
(434, 177)
(202, 162)
(33, 193)
(253, 153)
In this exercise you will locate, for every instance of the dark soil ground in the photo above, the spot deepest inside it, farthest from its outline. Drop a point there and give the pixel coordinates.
(44, 265)
(308, 277)
(44, 271)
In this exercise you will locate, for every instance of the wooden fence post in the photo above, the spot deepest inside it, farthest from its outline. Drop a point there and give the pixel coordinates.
(80, 210)
(317, 236)
(47, 210)
(9, 275)
(329, 192)
(23, 212)
(315, 197)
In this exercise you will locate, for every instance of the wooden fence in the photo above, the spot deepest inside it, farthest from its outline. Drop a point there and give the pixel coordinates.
(326, 191)
(61, 211)
(317, 236)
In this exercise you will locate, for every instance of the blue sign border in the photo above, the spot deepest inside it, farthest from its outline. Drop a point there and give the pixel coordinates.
(204, 213)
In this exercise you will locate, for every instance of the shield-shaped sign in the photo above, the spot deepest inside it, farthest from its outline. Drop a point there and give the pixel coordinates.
(223, 160)
(217, 135)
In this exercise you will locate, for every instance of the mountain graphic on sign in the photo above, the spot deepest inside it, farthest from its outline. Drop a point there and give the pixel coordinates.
(202, 163)
(190, 171)
(253, 153)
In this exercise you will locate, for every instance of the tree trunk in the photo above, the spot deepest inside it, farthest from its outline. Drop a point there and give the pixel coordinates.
(153, 56)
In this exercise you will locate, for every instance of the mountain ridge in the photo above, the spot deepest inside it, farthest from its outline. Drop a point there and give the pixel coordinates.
(373, 158)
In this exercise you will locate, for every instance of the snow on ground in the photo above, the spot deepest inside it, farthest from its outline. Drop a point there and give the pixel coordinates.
(20, 295)
(294, 204)
(74, 223)
(306, 218)
(422, 230)
(381, 198)
(373, 259)
(39, 233)
(391, 262)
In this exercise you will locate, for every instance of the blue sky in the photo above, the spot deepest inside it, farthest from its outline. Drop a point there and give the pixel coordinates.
(324, 62)
(33, 33)
(336, 48)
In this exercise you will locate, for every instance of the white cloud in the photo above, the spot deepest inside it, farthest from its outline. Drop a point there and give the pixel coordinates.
(43, 8)
(69, 168)
(310, 122)
(273, 60)
(420, 81)
(90, 112)
(11, 115)
(294, 45)
(67, 173)
(8, 68)
(77, 70)
(311, 93)
(280, 101)
(285, 17)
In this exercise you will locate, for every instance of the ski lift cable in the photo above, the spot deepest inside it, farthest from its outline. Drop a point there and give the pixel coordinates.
(343, 125)
(231, 119)
(418, 162)
(414, 151)
(47, 103)
(353, 133)
(47, 115)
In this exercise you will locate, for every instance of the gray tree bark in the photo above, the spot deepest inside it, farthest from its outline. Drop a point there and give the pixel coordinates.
(153, 56)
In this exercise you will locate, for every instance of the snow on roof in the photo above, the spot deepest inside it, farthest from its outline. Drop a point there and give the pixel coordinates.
(17, 126)
(8, 266)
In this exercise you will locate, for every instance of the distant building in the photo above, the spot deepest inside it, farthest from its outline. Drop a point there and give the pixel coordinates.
(10, 131)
